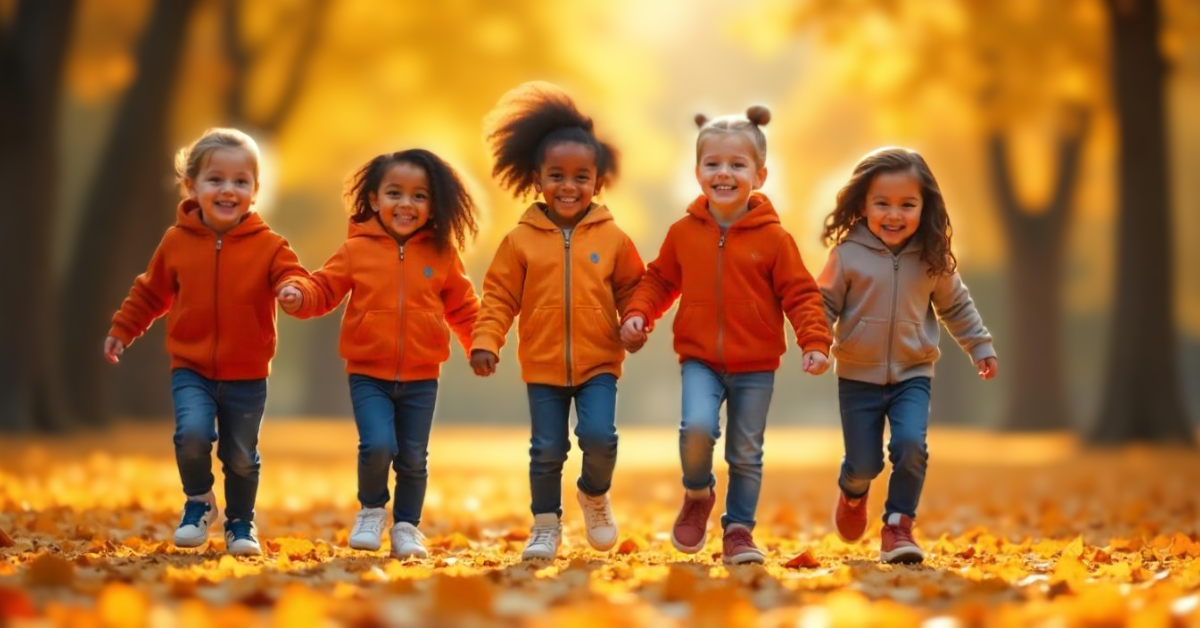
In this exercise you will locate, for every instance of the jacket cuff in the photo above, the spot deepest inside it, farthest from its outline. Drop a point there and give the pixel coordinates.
(981, 351)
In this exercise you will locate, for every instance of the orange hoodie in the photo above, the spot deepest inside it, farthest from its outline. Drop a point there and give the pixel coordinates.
(401, 297)
(218, 292)
(736, 288)
(567, 289)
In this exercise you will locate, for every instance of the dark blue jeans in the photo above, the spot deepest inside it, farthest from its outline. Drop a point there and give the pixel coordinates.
(394, 420)
(204, 409)
(747, 398)
(596, 429)
(906, 407)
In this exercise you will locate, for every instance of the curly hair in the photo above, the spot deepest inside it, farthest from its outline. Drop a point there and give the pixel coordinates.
(527, 121)
(453, 211)
(934, 230)
(748, 125)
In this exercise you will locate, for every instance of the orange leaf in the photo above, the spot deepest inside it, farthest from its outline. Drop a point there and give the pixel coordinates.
(631, 545)
(804, 560)
(48, 570)
(6, 540)
(14, 604)
(967, 554)
(681, 584)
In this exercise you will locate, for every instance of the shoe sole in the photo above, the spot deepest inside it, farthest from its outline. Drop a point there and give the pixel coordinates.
(744, 558)
(903, 555)
(602, 547)
(244, 551)
(201, 539)
(525, 556)
(689, 549)
(405, 555)
(369, 547)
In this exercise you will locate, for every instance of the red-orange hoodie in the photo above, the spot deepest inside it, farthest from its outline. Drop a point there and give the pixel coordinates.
(401, 297)
(568, 291)
(218, 292)
(735, 287)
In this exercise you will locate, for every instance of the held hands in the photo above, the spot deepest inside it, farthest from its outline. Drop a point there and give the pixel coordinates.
(113, 348)
(987, 368)
(815, 363)
(484, 362)
(290, 298)
(633, 334)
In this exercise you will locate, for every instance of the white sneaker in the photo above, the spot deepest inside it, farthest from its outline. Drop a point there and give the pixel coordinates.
(406, 541)
(368, 529)
(544, 538)
(241, 538)
(598, 518)
(199, 514)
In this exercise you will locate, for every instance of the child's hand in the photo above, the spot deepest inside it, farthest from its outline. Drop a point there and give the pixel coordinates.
(484, 362)
(113, 348)
(633, 334)
(987, 368)
(815, 363)
(290, 298)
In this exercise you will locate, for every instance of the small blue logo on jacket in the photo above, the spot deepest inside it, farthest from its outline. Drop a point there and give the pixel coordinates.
(428, 272)
(595, 257)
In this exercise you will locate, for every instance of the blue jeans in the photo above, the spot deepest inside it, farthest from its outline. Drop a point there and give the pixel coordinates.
(394, 420)
(549, 442)
(747, 397)
(204, 409)
(906, 406)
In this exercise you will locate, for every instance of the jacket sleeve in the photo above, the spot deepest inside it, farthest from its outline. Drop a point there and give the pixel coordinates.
(833, 287)
(461, 303)
(957, 312)
(502, 289)
(151, 297)
(801, 298)
(285, 266)
(659, 287)
(627, 273)
(325, 289)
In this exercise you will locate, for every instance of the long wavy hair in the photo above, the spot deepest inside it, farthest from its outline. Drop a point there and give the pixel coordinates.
(934, 230)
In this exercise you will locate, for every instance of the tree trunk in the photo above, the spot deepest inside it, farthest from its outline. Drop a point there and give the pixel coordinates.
(123, 215)
(1142, 398)
(32, 50)
(1036, 243)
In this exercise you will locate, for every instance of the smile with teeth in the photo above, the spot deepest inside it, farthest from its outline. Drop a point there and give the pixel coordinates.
(724, 188)
(567, 200)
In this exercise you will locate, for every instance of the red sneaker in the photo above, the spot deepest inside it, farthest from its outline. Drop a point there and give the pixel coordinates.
(738, 546)
(691, 526)
(897, 544)
(850, 521)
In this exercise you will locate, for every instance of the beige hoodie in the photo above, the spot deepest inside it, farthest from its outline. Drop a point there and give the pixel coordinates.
(884, 309)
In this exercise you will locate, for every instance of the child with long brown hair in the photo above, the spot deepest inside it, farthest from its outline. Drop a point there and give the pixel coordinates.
(890, 278)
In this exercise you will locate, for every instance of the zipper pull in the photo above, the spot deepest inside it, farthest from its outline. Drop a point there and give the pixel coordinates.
(721, 242)
(218, 244)
(895, 263)
(566, 241)
(402, 252)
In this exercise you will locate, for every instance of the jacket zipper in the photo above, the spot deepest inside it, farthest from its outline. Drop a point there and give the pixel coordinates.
(216, 309)
(892, 316)
(567, 294)
(400, 320)
(720, 304)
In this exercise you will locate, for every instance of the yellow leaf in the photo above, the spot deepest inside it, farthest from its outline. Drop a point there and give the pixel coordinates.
(122, 606)
(1070, 570)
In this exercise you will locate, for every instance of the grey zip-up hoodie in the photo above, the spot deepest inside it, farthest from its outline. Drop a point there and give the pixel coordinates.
(883, 309)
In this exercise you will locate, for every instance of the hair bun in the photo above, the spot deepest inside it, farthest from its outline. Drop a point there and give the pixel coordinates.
(759, 115)
(701, 120)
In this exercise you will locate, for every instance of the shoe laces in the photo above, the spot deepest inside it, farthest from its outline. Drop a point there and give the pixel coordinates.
(693, 512)
(369, 521)
(408, 534)
(240, 530)
(597, 512)
(194, 512)
(543, 535)
(740, 536)
(901, 534)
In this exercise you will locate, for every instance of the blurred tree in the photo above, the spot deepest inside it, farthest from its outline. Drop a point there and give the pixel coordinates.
(1142, 399)
(33, 46)
(123, 215)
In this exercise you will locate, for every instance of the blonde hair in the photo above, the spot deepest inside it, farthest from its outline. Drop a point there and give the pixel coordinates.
(190, 158)
(748, 125)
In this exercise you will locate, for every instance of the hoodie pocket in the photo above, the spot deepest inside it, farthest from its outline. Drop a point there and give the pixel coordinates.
(541, 337)
(748, 338)
(247, 331)
(695, 330)
(429, 339)
(600, 339)
(866, 343)
(187, 326)
(911, 345)
(374, 339)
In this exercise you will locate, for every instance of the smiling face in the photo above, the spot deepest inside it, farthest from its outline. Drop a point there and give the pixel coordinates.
(727, 172)
(403, 199)
(893, 209)
(224, 187)
(567, 180)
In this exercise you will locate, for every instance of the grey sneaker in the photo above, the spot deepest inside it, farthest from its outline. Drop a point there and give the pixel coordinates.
(544, 538)
(407, 541)
(368, 529)
(598, 518)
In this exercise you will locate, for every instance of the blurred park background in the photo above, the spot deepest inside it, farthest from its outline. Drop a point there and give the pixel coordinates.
(1064, 134)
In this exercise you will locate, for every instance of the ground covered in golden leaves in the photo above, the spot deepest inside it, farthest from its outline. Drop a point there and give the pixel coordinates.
(1019, 531)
